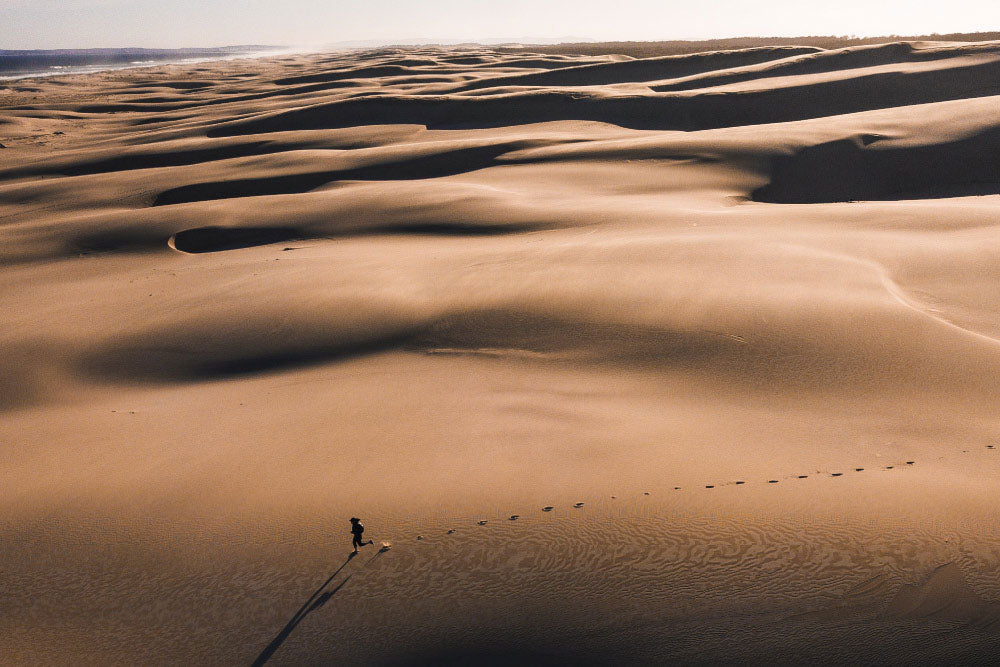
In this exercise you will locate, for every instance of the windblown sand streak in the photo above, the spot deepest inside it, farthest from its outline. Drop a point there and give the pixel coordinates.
(686, 359)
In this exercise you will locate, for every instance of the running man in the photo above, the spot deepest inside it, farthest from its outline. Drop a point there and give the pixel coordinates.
(358, 530)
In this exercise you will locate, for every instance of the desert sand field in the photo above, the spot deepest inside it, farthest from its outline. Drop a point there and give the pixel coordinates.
(680, 360)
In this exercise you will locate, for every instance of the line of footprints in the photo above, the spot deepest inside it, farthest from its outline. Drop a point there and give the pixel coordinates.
(549, 508)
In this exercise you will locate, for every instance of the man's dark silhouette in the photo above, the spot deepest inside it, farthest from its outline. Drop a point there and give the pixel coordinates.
(358, 530)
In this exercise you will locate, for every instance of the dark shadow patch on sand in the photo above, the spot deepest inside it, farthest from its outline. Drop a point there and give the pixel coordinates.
(222, 345)
(454, 229)
(452, 655)
(863, 168)
(153, 238)
(179, 85)
(175, 158)
(376, 71)
(447, 163)
(315, 601)
(645, 69)
(234, 97)
(658, 111)
(200, 353)
(25, 374)
(129, 107)
(136, 239)
(542, 62)
(946, 596)
(214, 239)
(817, 63)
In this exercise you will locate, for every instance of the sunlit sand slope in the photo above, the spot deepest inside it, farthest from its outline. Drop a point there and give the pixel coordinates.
(689, 359)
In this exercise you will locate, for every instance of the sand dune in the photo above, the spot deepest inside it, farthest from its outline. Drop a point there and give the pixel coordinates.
(689, 359)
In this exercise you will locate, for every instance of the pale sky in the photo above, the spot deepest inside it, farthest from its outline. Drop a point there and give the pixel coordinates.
(34, 24)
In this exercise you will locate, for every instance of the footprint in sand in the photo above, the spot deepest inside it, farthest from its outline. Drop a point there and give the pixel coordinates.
(450, 531)
(709, 486)
(803, 476)
(909, 463)
(515, 517)
(858, 469)
(772, 481)
(547, 509)
(483, 522)
(578, 505)
(420, 537)
(645, 493)
(677, 488)
(889, 467)
(740, 481)
(836, 474)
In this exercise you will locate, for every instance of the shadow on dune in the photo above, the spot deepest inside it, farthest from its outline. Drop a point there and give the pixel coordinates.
(205, 352)
(861, 91)
(647, 69)
(859, 169)
(315, 601)
(511, 652)
(152, 238)
(376, 71)
(448, 163)
(817, 63)
(227, 344)
(176, 85)
(176, 158)
(215, 239)
(145, 160)
(135, 239)
(227, 347)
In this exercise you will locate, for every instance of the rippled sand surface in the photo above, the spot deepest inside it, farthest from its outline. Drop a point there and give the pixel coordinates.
(690, 359)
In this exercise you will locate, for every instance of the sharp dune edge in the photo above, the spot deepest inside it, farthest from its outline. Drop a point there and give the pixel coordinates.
(689, 359)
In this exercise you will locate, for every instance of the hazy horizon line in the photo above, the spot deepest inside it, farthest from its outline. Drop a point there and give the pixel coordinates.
(492, 41)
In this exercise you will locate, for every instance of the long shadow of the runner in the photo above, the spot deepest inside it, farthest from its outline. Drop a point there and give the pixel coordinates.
(315, 601)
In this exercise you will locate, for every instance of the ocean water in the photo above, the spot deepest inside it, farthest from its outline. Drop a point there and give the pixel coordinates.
(34, 63)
